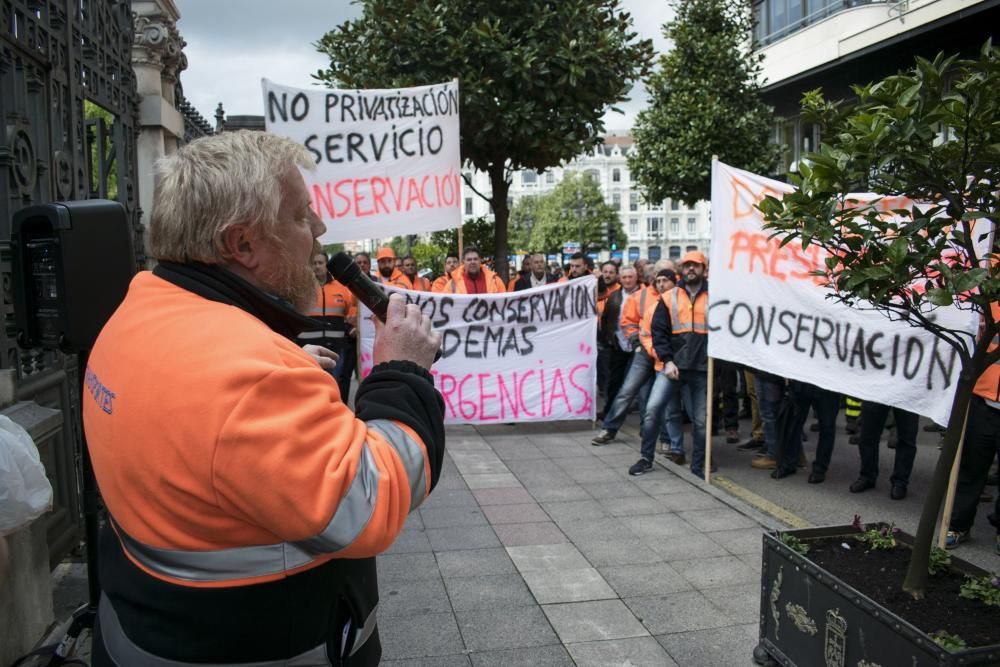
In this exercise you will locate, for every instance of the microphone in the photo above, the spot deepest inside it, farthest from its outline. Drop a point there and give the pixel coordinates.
(346, 271)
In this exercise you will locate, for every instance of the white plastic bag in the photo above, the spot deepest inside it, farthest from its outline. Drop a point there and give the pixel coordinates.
(25, 492)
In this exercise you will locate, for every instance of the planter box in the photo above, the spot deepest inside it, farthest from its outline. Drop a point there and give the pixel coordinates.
(810, 618)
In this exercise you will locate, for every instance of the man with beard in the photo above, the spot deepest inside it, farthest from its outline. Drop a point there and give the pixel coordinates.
(680, 339)
(410, 280)
(619, 348)
(450, 264)
(580, 265)
(387, 271)
(536, 275)
(472, 277)
(246, 501)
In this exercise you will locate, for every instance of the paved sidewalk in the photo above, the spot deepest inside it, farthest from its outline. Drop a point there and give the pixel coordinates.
(537, 548)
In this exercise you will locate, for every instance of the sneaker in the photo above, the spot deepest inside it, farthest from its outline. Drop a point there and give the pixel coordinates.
(764, 463)
(732, 436)
(750, 445)
(640, 467)
(955, 537)
(604, 438)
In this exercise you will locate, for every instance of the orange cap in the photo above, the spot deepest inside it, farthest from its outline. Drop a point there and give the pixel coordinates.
(695, 256)
(385, 253)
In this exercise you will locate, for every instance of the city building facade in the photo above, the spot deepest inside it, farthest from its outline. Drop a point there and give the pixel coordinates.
(653, 230)
(834, 44)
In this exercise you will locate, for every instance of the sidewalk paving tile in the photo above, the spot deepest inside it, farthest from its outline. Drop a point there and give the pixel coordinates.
(537, 477)
(460, 660)
(665, 524)
(575, 510)
(604, 553)
(635, 652)
(509, 627)
(686, 546)
(559, 493)
(740, 541)
(551, 586)
(412, 596)
(526, 513)
(718, 519)
(644, 579)
(663, 485)
(632, 506)
(410, 541)
(449, 498)
(539, 656)
(609, 529)
(677, 612)
(488, 592)
(594, 475)
(474, 562)
(593, 621)
(451, 517)
(521, 534)
(619, 489)
(741, 603)
(463, 537)
(547, 557)
(406, 566)
(753, 561)
(503, 480)
(519, 452)
(690, 500)
(491, 466)
(420, 635)
(502, 496)
(732, 646)
(712, 572)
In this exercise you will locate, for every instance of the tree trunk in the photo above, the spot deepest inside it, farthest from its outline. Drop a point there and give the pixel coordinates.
(916, 574)
(501, 214)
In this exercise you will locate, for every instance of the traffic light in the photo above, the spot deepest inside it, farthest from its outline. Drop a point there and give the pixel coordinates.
(612, 237)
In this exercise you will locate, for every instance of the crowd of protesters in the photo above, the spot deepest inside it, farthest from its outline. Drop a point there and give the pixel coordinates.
(653, 357)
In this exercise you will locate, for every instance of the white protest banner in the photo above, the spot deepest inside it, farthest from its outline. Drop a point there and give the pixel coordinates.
(513, 357)
(388, 162)
(769, 313)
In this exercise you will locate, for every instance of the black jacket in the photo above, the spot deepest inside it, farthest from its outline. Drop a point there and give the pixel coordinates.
(524, 282)
(689, 351)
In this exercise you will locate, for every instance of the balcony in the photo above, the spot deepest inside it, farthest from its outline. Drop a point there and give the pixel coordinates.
(776, 19)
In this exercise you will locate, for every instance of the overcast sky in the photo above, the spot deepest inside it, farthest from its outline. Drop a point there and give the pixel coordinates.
(232, 44)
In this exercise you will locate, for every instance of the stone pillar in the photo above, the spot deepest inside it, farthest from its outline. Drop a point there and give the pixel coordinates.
(157, 58)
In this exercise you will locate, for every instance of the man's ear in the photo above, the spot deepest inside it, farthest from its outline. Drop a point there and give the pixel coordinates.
(240, 246)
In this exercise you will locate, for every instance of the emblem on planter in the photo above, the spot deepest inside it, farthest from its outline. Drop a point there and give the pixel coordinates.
(775, 594)
(800, 618)
(865, 663)
(836, 639)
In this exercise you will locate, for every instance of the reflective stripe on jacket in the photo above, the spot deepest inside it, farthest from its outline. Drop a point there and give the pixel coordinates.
(334, 306)
(244, 494)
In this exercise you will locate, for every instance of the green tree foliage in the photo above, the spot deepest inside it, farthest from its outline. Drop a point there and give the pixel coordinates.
(524, 215)
(476, 231)
(100, 124)
(574, 210)
(430, 256)
(931, 134)
(703, 102)
(535, 77)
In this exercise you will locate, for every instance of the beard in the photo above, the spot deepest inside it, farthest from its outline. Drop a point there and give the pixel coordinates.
(293, 282)
(386, 272)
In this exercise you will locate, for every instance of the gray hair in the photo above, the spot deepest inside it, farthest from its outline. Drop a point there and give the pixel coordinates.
(215, 182)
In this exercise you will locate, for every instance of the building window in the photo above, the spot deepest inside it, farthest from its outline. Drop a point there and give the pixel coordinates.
(468, 205)
(654, 253)
(654, 226)
(633, 201)
(633, 253)
(777, 18)
(692, 225)
(633, 226)
(529, 177)
(690, 248)
(550, 176)
(675, 252)
(616, 175)
(675, 226)
(675, 205)
(593, 175)
(616, 200)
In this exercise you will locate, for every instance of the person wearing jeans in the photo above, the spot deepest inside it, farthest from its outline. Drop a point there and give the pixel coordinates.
(873, 416)
(770, 390)
(679, 336)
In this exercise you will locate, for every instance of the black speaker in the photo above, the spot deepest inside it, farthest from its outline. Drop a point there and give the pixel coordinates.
(72, 263)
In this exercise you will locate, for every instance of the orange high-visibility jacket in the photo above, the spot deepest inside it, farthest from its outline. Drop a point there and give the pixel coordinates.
(396, 275)
(418, 284)
(988, 384)
(441, 282)
(646, 331)
(603, 298)
(228, 462)
(634, 308)
(456, 284)
(335, 306)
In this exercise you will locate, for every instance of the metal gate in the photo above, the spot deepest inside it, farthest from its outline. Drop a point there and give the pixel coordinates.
(68, 110)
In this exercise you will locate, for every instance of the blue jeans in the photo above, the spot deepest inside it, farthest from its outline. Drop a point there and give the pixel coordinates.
(769, 390)
(637, 380)
(692, 387)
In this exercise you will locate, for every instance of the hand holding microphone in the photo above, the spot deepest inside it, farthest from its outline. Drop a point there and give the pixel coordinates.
(403, 333)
